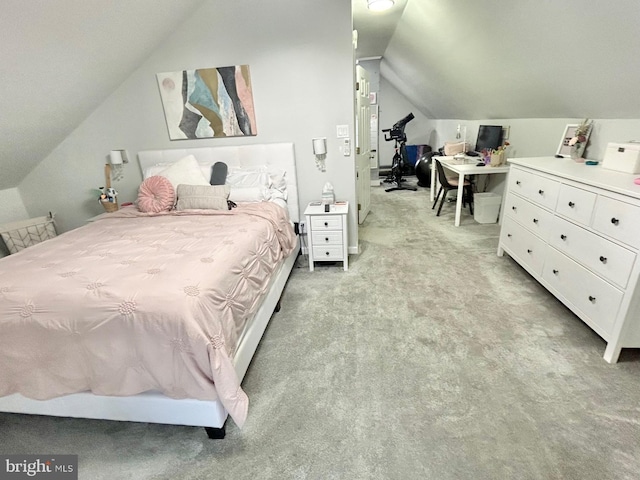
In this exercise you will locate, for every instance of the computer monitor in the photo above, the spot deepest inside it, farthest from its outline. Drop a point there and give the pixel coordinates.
(489, 137)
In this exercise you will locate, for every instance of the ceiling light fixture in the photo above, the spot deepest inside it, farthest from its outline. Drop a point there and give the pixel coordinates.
(380, 5)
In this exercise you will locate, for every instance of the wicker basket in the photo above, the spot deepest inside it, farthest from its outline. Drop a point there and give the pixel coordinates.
(109, 206)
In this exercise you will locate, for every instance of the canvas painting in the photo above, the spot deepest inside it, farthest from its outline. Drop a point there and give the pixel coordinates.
(209, 102)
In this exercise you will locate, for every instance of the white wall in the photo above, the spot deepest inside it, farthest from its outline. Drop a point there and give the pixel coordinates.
(302, 76)
(534, 137)
(393, 107)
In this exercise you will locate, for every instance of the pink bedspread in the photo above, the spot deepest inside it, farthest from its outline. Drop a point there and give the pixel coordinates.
(136, 302)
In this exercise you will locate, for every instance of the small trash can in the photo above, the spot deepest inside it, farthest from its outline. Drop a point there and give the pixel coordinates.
(486, 207)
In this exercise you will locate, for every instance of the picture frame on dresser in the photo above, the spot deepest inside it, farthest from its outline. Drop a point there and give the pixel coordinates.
(564, 149)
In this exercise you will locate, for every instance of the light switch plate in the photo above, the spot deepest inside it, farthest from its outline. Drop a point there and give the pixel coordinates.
(346, 148)
(342, 131)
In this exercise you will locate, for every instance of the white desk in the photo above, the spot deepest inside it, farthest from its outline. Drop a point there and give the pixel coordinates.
(462, 168)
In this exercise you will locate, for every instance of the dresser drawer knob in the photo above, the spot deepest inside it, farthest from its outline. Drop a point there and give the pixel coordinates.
(535, 220)
(326, 224)
(571, 204)
(326, 239)
(555, 272)
(603, 259)
(563, 237)
(540, 192)
(592, 299)
(615, 221)
(326, 253)
(514, 208)
(529, 250)
(517, 182)
(509, 235)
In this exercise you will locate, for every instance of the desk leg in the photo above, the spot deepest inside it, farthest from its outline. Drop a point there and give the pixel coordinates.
(432, 193)
(459, 199)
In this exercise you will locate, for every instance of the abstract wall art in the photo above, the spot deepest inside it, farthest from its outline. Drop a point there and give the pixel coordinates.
(209, 102)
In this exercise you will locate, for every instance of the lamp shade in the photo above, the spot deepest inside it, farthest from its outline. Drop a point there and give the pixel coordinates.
(380, 5)
(115, 157)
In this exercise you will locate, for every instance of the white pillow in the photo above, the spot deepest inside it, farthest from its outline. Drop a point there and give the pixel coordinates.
(158, 167)
(247, 194)
(243, 178)
(185, 171)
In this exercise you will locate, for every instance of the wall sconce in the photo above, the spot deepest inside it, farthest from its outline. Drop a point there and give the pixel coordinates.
(320, 151)
(117, 159)
(380, 5)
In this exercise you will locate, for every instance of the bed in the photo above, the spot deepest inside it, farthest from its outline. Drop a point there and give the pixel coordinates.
(163, 330)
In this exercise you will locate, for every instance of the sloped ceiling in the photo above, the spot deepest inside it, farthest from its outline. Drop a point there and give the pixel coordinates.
(484, 59)
(60, 59)
(452, 59)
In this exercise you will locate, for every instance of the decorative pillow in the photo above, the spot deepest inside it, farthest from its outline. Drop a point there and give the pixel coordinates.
(156, 194)
(185, 171)
(209, 197)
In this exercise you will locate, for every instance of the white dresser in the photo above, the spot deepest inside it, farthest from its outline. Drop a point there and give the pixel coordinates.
(576, 229)
(328, 240)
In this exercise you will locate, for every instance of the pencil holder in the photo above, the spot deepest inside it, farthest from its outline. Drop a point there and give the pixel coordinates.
(109, 206)
(497, 159)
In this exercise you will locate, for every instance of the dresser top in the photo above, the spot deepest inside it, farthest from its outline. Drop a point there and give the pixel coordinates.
(593, 175)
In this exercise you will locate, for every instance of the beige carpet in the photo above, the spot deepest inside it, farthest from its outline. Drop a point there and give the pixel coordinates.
(431, 358)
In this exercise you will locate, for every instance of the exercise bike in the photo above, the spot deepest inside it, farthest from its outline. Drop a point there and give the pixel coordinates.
(400, 157)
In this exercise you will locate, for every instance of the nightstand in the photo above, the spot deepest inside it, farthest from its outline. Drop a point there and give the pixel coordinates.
(328, 234)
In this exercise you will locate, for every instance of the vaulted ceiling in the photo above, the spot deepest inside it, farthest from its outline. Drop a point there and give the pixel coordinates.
(453, 59)
(484, 59)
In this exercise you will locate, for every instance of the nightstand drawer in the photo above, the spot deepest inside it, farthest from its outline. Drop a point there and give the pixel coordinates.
(327, 252)
(326, 222)
(327, 238)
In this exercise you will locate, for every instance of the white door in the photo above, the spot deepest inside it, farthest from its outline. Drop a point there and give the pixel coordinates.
(363, 143)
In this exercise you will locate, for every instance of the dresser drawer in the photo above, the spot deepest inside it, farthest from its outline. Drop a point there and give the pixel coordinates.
(528, 249)
(327, 252)
(541, 190)
(330, 237)
(618, 220)
(529, 215)
(576, 204)
(595, 298)
(605, 258)
(328, 222)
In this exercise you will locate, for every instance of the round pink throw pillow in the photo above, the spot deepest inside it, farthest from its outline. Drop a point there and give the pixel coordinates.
(156, 194)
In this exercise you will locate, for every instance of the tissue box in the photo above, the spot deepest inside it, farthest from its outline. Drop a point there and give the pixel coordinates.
(623, 157)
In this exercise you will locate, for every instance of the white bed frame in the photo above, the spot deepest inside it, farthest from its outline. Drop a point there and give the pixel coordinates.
(153, 407)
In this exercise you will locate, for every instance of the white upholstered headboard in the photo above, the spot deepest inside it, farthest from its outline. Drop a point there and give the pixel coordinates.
(273, 155)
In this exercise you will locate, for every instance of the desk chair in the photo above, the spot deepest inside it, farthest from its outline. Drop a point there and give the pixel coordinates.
(447, 184)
